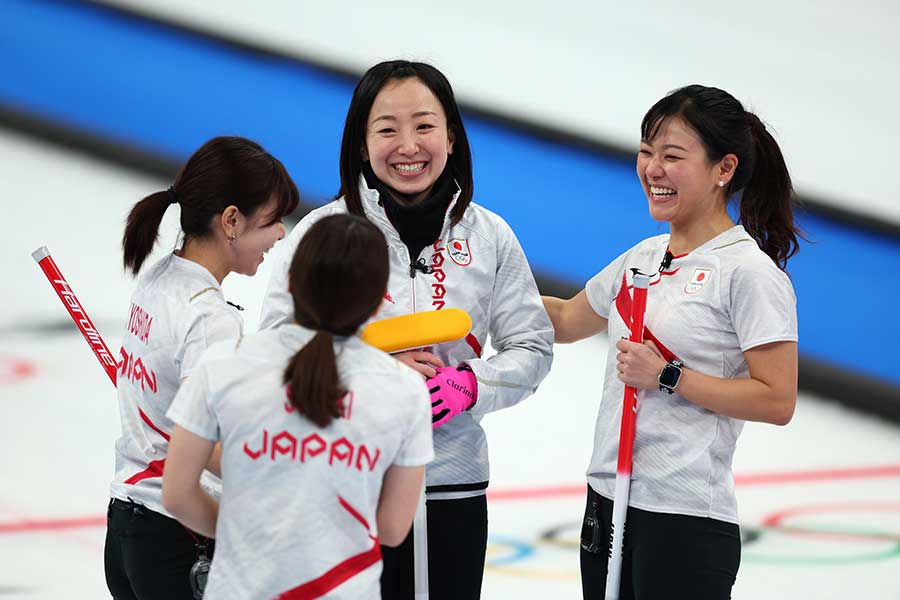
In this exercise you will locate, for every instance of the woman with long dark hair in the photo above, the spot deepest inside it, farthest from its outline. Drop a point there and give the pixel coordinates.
(721, 349)
(406, 166)
(232, 195)
(324, 438)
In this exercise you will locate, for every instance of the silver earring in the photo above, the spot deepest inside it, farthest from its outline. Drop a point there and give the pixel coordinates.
(721, 184)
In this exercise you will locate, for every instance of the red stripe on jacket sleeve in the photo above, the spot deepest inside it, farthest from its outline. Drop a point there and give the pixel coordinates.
(473, 343)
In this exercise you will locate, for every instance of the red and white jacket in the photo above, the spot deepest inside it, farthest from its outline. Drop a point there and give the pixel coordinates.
(298, 514)
(705, 308)
(479, 266)
(177, 311)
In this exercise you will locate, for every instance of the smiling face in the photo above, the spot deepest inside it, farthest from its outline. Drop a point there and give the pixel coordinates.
(407, 140)
(680, 182)
(253, 237)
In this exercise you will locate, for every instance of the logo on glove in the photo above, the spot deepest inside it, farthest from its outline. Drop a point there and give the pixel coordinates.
(453, 390)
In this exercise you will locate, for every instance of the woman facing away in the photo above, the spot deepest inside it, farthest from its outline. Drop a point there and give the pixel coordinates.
(232, 195)
(721, 349)
(406, 166)
(324, 438)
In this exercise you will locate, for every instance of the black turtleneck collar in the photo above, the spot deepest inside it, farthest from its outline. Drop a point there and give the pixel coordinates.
(420, 224)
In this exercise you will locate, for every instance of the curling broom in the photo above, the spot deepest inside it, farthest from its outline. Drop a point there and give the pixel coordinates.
(76, 311)
(417, 329)
(390, 335)
(404, 333)
(626, 445)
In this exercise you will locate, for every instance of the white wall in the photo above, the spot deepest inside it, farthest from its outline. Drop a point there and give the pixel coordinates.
(824, 74)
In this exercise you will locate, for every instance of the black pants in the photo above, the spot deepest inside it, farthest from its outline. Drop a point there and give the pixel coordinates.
(457, 543)
(666, 556)
(148, 556)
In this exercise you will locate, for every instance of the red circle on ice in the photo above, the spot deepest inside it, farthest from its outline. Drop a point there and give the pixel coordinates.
(14, 369)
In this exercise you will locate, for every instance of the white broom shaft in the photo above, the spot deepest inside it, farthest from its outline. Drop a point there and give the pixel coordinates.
(620, 508)
(420, 548)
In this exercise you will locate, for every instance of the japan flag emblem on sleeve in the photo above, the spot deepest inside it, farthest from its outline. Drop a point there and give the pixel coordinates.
(459, 251)
(698, 280)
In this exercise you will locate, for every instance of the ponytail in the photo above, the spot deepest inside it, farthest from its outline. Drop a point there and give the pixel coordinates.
(142, 229)
(768, 198)
(337, 278)
(314, 386)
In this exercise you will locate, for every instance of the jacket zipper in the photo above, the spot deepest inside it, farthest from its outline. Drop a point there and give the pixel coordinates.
(412, 277)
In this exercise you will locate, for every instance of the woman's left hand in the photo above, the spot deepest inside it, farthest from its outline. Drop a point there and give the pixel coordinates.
(639, 365)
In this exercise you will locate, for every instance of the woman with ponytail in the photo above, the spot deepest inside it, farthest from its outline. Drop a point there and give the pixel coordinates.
(324, 438)
(232, 195)
(721, 349)
(406, 166)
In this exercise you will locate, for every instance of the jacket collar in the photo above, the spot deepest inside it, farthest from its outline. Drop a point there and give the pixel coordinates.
(374, 210)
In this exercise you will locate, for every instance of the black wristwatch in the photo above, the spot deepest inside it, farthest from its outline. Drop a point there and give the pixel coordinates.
(669, 376)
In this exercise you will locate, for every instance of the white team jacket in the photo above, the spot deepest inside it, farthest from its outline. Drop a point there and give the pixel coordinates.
(479, 266)
(177, 311)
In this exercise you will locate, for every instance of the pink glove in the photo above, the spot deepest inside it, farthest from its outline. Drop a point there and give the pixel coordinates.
(453, 390)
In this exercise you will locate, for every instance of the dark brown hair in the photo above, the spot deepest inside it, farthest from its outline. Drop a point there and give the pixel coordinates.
(224, 171)
(338, 278)
(459, 163)
(762, 178)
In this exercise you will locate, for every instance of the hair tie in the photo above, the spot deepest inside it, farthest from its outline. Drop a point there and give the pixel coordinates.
(326, 328)
(335, 331)
(173, 199)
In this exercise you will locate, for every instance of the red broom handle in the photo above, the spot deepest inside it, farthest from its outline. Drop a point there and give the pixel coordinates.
(76, 311)
(629, 409)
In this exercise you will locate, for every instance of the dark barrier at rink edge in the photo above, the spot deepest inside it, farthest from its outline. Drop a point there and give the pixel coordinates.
(823, 209)
(820, 378)
(86, 79)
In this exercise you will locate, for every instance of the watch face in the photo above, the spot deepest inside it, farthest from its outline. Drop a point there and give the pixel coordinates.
(669, 376)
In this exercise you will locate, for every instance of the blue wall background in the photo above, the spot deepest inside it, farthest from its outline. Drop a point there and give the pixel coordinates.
(167, 91)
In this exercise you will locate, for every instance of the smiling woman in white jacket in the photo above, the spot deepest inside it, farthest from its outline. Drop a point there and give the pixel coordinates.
(232, 195)
(720, 349)
(406, 166)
